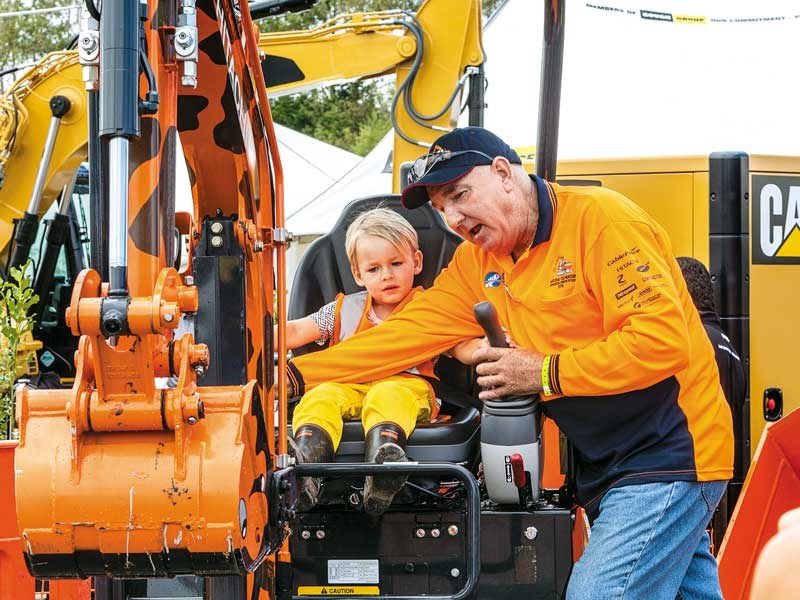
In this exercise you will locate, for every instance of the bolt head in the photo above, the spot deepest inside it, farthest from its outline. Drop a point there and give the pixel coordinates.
(191, 420)
(454, 572)
(435, 533)
(320, 534)
(305, 534)
(216, 241)
(453, 530)
(168, 317)
(420, 533)
(531, 533)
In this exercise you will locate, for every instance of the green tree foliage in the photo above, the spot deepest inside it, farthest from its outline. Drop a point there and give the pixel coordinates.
(353, 116)
(16, 300)
(27, 38)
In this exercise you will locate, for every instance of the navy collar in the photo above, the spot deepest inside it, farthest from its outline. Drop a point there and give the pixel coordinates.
(545, 224)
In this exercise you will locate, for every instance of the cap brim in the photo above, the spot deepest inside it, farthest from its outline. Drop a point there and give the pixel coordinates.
(416, 194)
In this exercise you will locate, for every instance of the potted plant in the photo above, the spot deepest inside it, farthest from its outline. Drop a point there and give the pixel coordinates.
(16, 300)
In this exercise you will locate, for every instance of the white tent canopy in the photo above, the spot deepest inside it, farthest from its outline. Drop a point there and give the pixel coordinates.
(309, 166)
(656, 78)
(714, 76)
(369, 177)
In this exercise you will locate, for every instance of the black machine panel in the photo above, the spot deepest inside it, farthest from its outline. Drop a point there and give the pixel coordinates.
(523, 554)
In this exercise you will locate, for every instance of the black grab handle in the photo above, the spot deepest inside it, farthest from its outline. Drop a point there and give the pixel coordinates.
(486, 316)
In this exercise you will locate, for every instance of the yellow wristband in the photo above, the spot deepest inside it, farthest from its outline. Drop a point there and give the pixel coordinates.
(546, 376)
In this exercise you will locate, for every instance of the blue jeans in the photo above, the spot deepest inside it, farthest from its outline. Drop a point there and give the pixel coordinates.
(649, 541)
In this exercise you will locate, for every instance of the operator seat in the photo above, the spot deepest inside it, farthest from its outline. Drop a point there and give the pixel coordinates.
(324, 271)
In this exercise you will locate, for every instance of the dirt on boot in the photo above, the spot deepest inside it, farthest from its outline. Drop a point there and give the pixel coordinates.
(379, 491)
(309, 489)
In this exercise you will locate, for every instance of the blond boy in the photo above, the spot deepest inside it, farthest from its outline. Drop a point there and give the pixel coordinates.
(384, 256)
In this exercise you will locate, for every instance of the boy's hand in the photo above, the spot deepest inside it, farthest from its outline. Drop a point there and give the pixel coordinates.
(290, 391)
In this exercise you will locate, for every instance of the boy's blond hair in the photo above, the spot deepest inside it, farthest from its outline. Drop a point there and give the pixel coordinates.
(383, 223)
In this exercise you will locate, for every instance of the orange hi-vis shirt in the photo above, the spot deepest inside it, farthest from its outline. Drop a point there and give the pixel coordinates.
(362, 303)
(633, 378)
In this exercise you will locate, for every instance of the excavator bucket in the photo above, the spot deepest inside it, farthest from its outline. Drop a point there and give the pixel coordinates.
(772, 487)
(141, 503)
(121, 476)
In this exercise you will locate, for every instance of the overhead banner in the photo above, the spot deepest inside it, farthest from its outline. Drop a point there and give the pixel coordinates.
(649, 14)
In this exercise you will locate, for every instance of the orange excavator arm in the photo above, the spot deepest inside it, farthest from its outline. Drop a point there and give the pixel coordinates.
(159, 460)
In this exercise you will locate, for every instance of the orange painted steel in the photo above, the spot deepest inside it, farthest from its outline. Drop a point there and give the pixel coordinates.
(123, 467)
(771, 488)
(15, 582)
(126, 495)
(121, 474)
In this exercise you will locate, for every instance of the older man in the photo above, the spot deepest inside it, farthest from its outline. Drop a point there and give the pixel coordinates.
(586, 284)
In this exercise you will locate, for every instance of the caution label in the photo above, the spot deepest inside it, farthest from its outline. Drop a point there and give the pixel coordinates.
(353, 571)
(338, 590)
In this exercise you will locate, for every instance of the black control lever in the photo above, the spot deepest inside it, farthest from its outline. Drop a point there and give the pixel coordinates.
(486, 316)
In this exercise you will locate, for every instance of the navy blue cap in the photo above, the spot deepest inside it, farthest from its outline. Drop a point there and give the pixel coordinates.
(485, 146)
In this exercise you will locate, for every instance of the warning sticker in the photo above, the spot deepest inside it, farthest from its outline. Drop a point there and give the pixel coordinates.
(353, 571)
(338, 590)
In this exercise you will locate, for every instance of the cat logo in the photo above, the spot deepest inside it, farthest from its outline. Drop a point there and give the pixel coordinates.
(776, 220)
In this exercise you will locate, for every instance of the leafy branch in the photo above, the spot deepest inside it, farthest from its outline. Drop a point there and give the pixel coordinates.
(16, 300)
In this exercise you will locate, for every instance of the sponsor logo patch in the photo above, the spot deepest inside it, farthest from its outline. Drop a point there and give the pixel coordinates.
(649, 300)
(628, 253)
(644, 268)
(625, 291)
(565, 274)
(493, 279)
(563, 266)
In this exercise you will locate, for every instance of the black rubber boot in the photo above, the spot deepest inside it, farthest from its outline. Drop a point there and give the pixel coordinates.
(385, 442)
(311, 444)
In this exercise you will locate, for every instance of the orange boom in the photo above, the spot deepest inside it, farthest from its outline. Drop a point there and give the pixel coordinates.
(158, 461)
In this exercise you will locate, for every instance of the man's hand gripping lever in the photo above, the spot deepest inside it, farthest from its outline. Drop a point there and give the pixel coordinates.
(510, 424)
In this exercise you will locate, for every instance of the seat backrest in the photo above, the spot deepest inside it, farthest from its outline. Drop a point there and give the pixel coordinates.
(324, 270)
